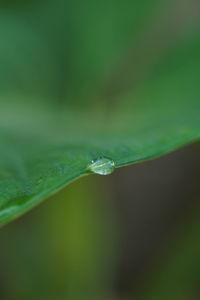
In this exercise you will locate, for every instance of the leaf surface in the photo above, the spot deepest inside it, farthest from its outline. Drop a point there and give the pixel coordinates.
(80, 82)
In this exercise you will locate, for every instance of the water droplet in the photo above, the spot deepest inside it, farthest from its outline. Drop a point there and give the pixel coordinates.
(102, 166)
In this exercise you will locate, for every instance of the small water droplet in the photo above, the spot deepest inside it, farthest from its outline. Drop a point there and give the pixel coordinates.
(102, 166)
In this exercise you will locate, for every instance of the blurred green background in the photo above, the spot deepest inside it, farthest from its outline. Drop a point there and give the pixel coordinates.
(136, 233)
(132, 235)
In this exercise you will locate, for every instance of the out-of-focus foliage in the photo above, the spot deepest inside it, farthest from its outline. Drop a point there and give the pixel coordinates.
(177, 276)
(70, 246)
(80, 80)
(64, 250)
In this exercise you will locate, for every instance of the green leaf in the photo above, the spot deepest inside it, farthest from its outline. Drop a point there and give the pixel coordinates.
(82, 81)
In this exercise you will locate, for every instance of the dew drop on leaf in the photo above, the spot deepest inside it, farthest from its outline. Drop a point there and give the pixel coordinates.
(102, 166)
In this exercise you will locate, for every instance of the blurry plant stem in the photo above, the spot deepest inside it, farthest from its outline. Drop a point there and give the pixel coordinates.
(83, 237)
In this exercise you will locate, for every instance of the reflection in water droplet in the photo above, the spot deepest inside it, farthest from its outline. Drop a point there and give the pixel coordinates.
(102, 166)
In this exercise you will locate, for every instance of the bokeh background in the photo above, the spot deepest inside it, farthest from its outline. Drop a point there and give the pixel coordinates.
(136, 233)
(131, 235)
